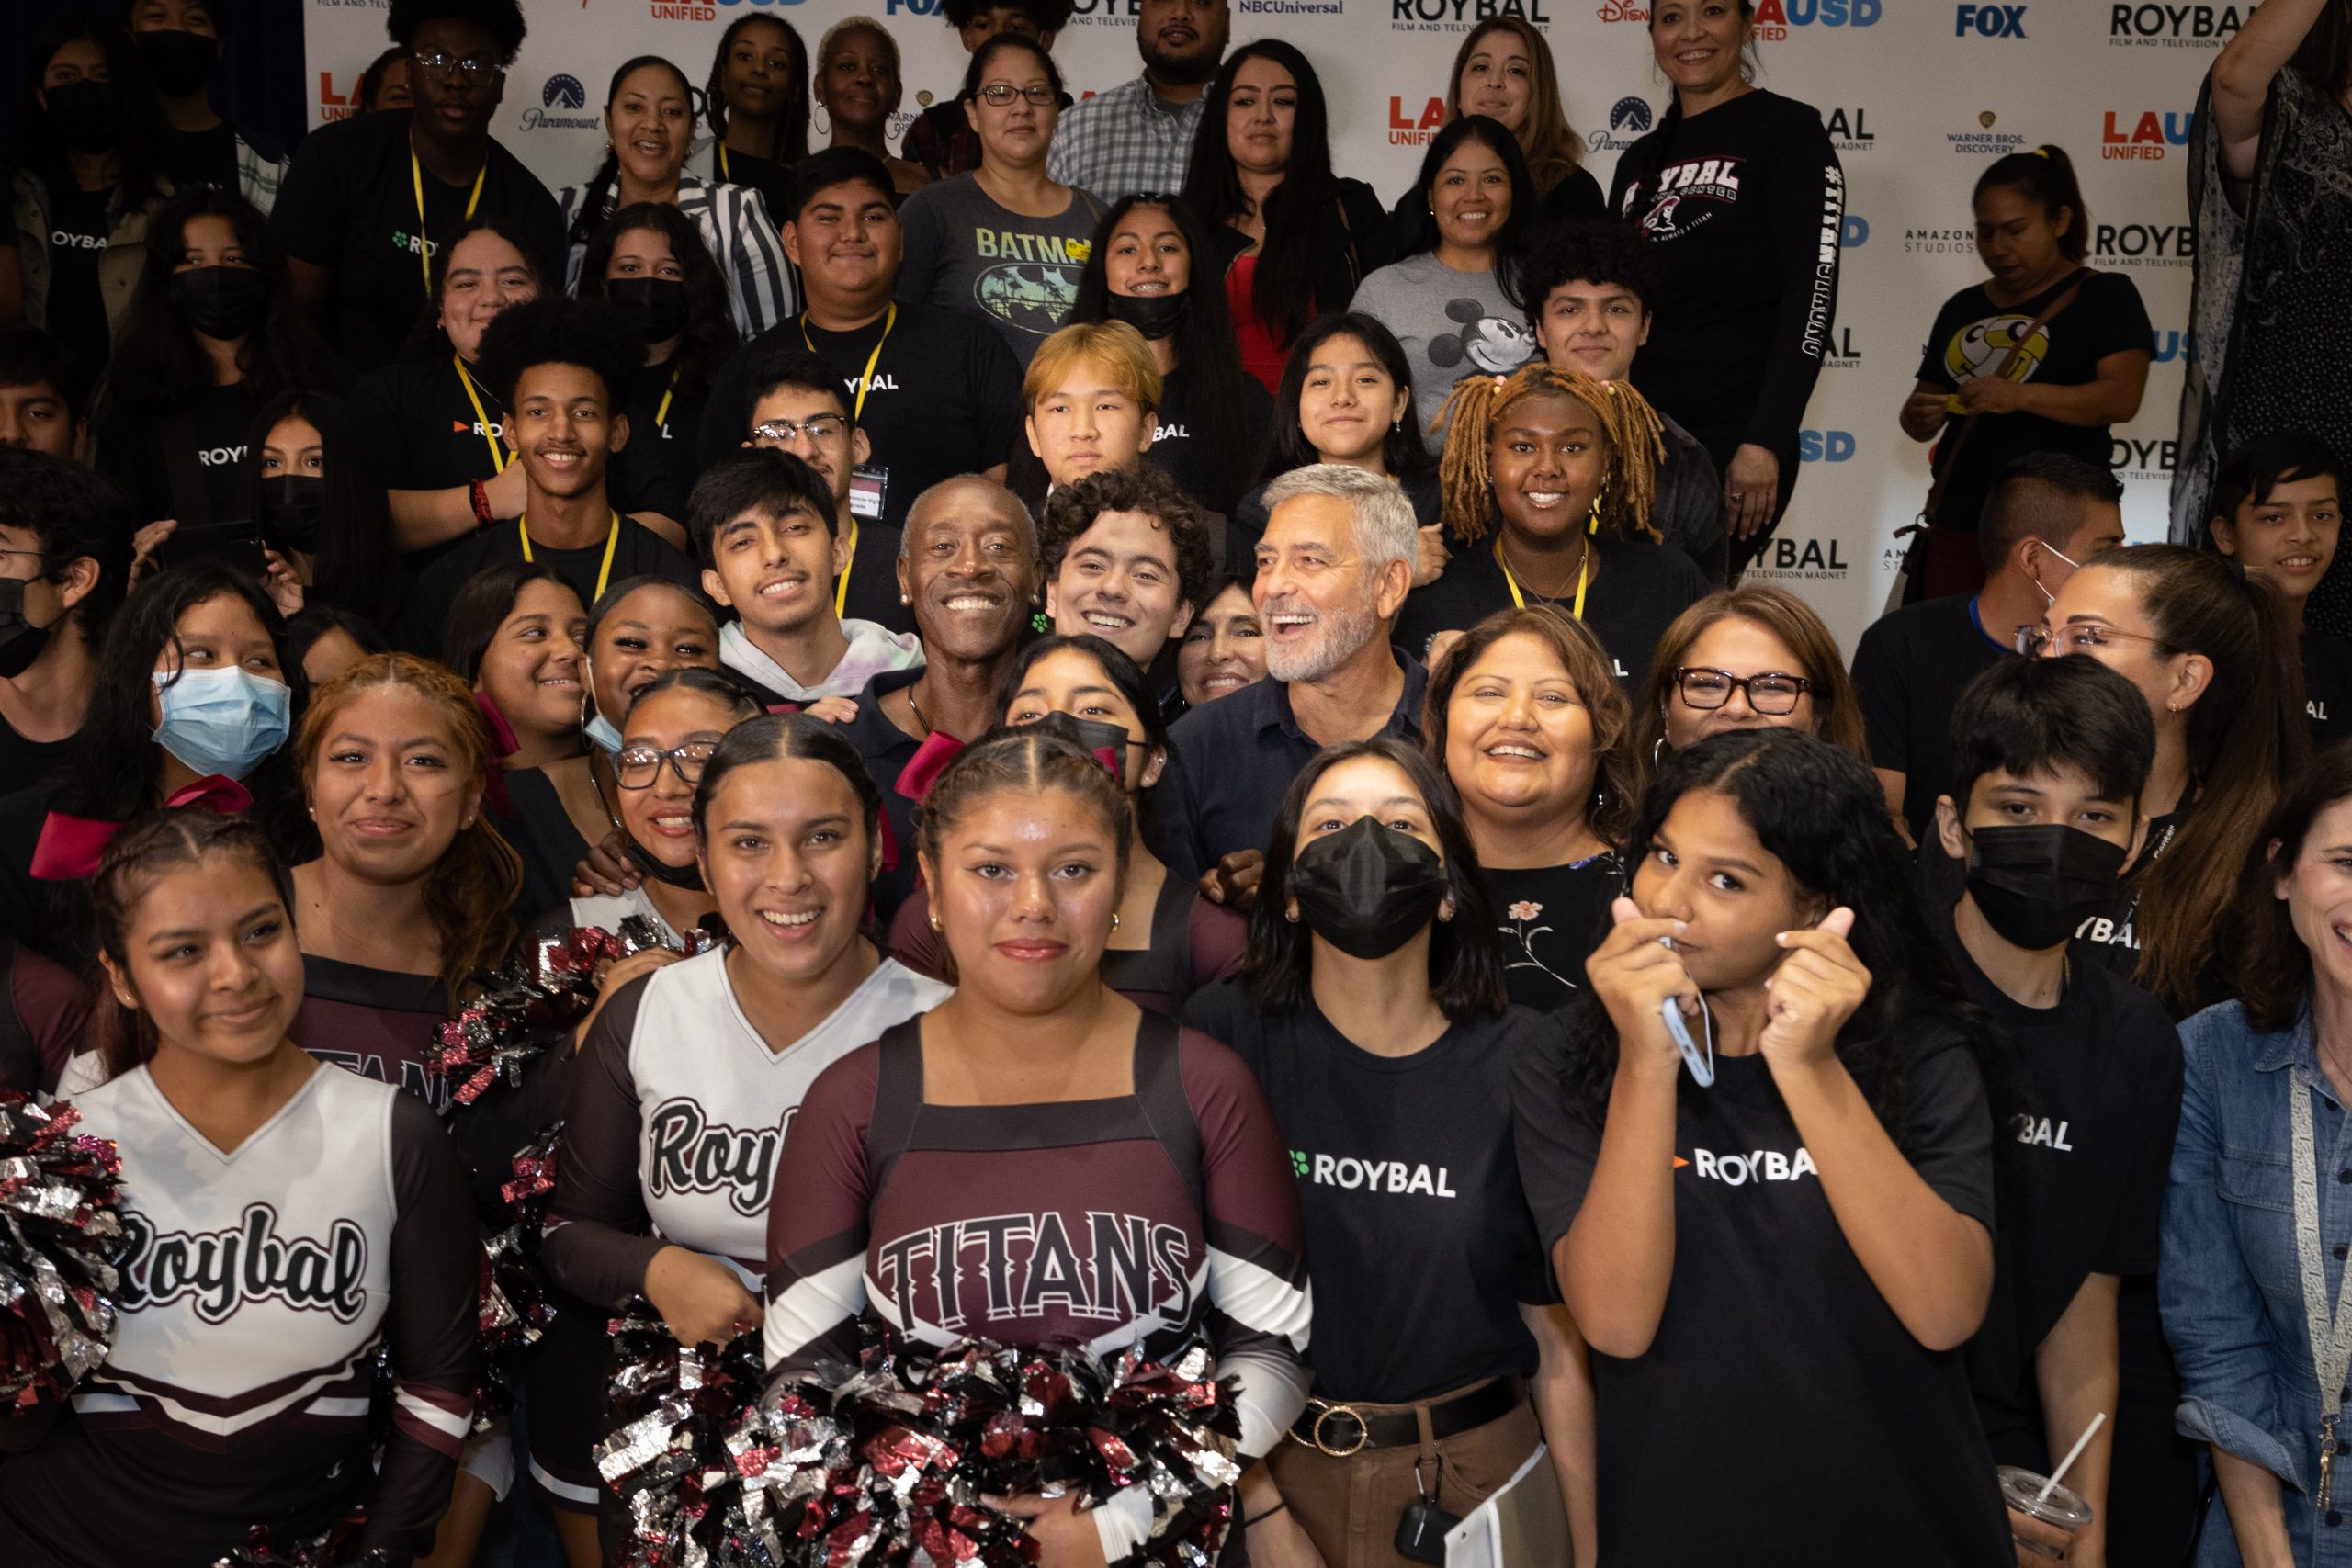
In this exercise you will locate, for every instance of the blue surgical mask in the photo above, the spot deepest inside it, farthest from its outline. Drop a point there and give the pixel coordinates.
(600, 730)
(222, 721)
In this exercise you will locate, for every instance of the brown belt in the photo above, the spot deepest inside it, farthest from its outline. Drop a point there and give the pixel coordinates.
(1340, 1430)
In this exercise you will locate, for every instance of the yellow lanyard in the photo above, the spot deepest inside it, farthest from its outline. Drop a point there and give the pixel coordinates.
(1583, 566)
(841, 588)
(416, 183)
(857, 409)
(725, 175)
(662, 415)
(604, 573)
(490, 432)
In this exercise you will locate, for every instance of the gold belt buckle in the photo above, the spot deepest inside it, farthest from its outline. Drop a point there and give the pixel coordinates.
(1364, 1432)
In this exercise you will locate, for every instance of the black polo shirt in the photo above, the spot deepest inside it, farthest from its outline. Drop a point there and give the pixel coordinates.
(349, 205)
(887, 749)
(1631, 599)
(1230, 762)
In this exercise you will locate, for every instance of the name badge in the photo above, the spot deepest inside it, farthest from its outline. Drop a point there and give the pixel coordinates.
(868, 483)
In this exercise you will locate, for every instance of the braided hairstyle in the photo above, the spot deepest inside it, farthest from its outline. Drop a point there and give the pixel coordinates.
(1030, 759)
(599, 194)
(1465, 473)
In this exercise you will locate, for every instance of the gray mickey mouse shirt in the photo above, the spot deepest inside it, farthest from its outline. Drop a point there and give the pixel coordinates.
(1451, 323)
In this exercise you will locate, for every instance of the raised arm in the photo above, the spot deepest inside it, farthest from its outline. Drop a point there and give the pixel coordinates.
(2244, 70)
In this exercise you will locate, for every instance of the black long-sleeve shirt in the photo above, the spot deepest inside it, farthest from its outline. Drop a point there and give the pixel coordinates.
(1746, 203)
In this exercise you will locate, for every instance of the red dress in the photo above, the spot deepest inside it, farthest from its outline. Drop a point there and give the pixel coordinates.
(1262, 355)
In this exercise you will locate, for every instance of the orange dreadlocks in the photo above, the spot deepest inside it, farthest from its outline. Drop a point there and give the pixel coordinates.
(1628, 483)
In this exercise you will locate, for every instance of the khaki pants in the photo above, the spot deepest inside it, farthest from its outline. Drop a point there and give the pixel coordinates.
(1349, 1506)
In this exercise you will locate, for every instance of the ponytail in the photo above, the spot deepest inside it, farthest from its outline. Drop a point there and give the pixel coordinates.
(2045, 175)
(1630, 425)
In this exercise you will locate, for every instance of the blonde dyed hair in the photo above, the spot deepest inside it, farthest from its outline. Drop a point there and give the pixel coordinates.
(1628, 483)
(1116, 346)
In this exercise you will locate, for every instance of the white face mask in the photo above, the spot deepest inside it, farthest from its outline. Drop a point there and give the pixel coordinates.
(2048, 596)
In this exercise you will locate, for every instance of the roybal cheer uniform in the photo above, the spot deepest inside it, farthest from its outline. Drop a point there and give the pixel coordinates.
(259, 1285)
(674, 1113)
(1146, 1218)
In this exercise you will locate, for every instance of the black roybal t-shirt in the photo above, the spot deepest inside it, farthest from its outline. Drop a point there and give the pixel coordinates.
(132, 446)
(426, 431)
(1411, 1193)
(2101, 1081)
(1908, 670)
(1636, 594)
(2327, 684)
(1782, 1414)
(1971, 338)
(1552, 918)
(349, 205)
(944, 397)
(638, 552)
(76, 312)
(657, 470)
(1175, 448)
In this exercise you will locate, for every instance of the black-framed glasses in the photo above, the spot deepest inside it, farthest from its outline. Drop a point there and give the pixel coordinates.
(2081, 636)
(472, 68)
(996, 94)
(1770, 692)
(639, 766)
(816, 427)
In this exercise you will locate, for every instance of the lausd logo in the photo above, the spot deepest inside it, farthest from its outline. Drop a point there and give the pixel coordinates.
(1854, 229)
(2146, 138)
(560, 93)
(688, 11)
(1801, 560)
(334, 105)
(1989, 21)
(1775, 18)
(1824, 445)
(914, 8)
(2131, 26)
(1983, 142)
(1629, 121)
(2145, 244)
(1461, 15)
(1405, 130)
(1849, 130)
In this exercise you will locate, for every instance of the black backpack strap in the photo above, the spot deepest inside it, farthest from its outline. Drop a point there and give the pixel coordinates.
(1160, 1089)
(897, 1100)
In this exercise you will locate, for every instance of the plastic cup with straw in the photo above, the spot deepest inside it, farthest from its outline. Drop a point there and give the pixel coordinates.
(2041, 1498)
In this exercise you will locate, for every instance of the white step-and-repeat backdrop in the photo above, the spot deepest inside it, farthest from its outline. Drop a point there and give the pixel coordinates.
(1918, 95)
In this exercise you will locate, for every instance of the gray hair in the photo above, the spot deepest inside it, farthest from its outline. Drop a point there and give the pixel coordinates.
(1384, 514)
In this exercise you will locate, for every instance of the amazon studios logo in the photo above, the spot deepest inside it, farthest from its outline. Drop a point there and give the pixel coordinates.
(561, 92)
(1629, 120)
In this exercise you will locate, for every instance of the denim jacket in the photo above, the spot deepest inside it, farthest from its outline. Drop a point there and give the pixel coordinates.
(2231, 1292)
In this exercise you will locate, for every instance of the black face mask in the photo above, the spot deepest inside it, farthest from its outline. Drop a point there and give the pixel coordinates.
(1366, 889)
(1154, 315)
(178, 62)
(21, 641)
(87, 114)
(224, 303)
(688, 876)
(291, 504)
(1106, 741)
(656, 307)
(2035, 884)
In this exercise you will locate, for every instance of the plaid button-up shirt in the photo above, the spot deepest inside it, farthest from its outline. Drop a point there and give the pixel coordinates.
(1124, 140)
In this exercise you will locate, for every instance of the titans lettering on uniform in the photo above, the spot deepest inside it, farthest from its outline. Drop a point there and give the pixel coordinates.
(1115, 1268)
(1677, 202)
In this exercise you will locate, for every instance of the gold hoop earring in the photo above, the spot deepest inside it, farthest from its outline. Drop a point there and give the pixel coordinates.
(1114, 919)
(934, 919)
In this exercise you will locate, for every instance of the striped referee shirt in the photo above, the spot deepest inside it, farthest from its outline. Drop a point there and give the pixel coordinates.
(734, 222)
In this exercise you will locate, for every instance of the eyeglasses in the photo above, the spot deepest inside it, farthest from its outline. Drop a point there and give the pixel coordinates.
(996, 94)
(1772, 693)
(816, 427)
(452, 68)
(639, 766)
(2081, 637)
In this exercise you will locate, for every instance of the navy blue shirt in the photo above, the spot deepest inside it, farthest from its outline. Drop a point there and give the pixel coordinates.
(887, 749)
(1231, 761)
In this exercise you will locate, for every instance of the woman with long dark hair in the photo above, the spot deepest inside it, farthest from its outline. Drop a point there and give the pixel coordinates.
(1503, 71)
(649, 129)
(195, 697)
(1036, 1084)
(210, 336)
(1214, 417)
(2213, 651)
(756, 104)
(437, 421)
(1450, 296)
(720, 1049)
(1346, 397)
(2044, 355)
(1292, 237)
(1796, 1232)
(86, 177)
(957, 228)
(1373, 1010)
(244, 1398)
(309, 479)
(1530, 725)
(942, 139)
(649, 262)
(1172, 940)
(1742, 321)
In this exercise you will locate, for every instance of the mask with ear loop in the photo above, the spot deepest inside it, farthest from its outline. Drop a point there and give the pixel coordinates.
(599, 729)
(2047, 596)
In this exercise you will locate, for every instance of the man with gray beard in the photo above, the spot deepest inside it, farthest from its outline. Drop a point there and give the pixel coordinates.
(1333, 567)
